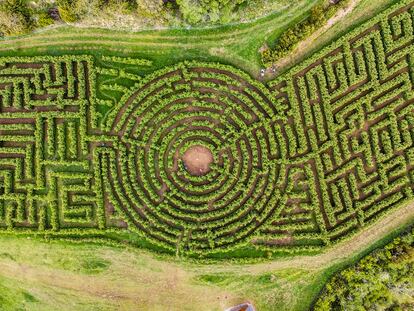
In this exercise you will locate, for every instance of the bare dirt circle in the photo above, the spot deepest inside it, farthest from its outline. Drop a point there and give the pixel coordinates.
(197, 160)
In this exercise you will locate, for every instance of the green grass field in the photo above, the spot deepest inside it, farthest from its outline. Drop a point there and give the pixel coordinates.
(39, 275)
(49, 275)
(235, 44)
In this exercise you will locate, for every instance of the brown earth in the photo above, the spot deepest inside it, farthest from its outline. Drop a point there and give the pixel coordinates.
(197, 160)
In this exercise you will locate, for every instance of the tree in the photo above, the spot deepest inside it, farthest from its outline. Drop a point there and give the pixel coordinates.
(195, 11)
(67, 11)
(150, 8)
(73, 10)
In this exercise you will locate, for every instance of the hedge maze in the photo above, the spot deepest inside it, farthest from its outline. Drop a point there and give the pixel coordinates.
(199, 158)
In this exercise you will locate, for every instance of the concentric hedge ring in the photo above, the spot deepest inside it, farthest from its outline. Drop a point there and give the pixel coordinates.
(220, 109)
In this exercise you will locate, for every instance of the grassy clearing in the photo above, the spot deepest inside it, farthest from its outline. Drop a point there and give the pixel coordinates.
(38, 295)
(64, 275)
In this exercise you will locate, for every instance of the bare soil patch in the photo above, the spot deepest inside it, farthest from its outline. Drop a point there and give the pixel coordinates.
(197, 160)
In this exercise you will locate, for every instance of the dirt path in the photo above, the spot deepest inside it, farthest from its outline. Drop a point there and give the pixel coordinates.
(304, 45)
(336, 254)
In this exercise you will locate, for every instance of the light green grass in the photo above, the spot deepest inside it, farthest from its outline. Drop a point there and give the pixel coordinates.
(62, 275)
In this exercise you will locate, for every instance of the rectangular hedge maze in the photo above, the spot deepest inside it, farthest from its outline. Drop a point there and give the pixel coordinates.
(296, 165)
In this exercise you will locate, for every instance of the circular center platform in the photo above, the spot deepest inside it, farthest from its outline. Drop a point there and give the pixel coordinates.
(197, 160)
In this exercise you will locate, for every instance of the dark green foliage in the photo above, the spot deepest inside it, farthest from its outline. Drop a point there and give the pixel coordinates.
(44, 19)
(15, 17)
(383, 280)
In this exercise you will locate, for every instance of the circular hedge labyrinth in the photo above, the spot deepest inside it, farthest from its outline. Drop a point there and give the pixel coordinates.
(192, 168)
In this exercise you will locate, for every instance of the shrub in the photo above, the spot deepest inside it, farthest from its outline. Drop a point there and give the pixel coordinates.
(73, 10)
(44, 19)
(150, 8)
(375, 282)
(67, 11)
(292, 36)
(15, 17)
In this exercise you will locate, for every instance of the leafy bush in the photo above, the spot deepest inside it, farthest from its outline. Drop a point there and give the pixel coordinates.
(67, 11)
(150, 8)
(44, 19)
(73, 10)
(15, 17)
